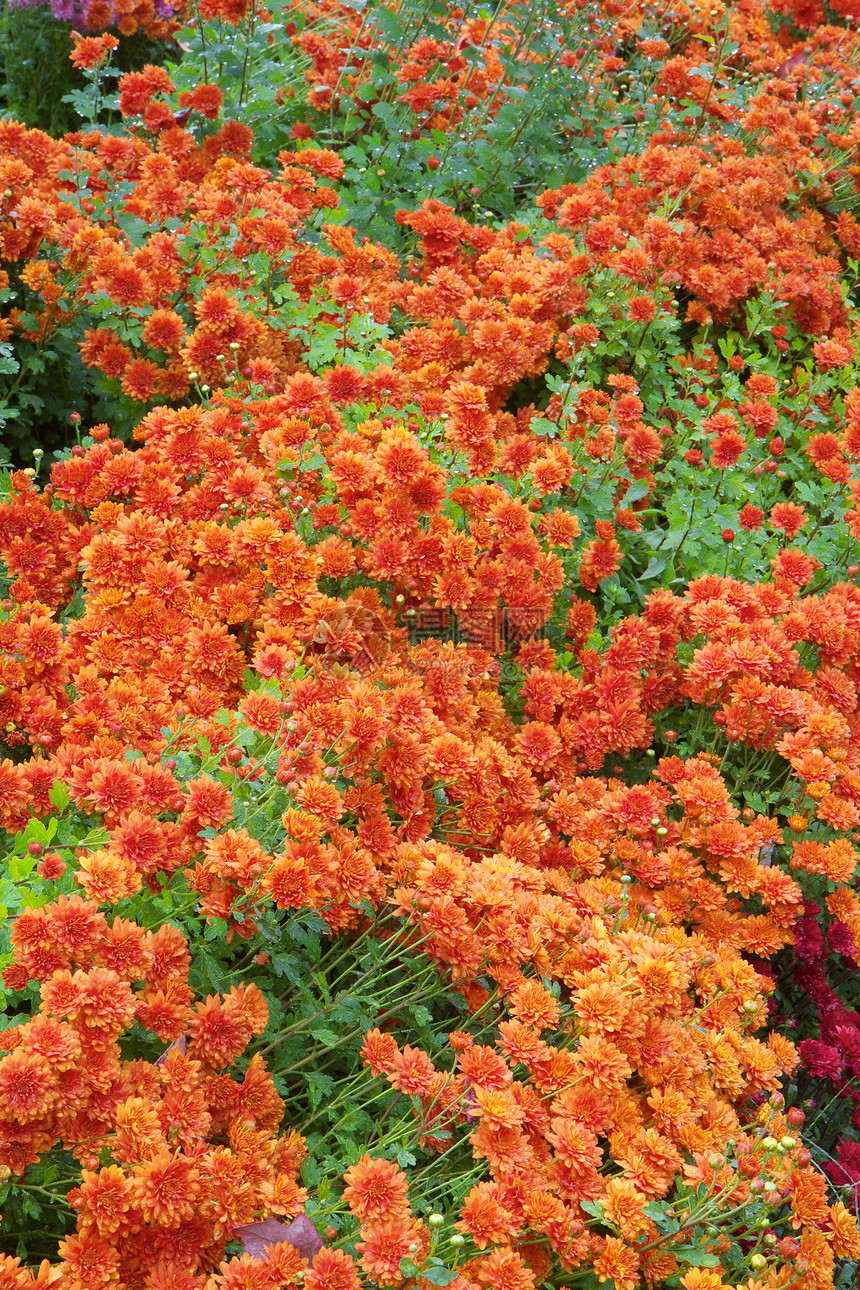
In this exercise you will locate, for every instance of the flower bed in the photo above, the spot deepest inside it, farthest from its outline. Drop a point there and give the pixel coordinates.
(429, 681)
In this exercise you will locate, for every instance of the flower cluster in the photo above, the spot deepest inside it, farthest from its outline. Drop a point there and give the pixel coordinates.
(175, 1153)
(157, 19)
(177, 326)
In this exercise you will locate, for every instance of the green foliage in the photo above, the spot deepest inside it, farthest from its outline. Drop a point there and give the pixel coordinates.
(35, 72)
(38, 84)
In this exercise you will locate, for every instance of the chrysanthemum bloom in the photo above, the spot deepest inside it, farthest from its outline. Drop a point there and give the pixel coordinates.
(504, 1269)
(107, 877)
(532, 1003)
(485, 1218)
(821, 1059)
(600, 559)
(88, 1259)
(384, 1244)
(726, 449)
(379, 1051)
(220, 1031)
(105, 1200)
(165, 1188)
(788, 517)
(833, 353)
(375, 1189)
(164, 329)
(619, 1263)
(482, 1066)
(750, 517)
(332, 1270)
(90, 52)
(27, 1087)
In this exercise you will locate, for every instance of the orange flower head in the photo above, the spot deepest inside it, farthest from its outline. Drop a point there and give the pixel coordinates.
(89, 52)
(165, 1188)
(376, 1189)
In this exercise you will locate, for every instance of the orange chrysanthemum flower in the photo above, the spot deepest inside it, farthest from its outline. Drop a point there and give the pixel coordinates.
(375, 1189)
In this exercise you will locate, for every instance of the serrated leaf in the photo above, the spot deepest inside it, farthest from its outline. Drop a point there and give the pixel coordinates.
(592, 1207)
(654, 1209)
(20, 867)
(326, 1037)
(696, 1255)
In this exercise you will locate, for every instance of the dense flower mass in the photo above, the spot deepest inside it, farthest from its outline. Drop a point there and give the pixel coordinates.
(157, 18)
(429, 684)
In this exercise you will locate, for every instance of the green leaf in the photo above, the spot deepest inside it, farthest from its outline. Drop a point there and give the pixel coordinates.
(408, 1268)
(20, 867)
(326, 1037)
(593, 1207)
(637, 490)
(696, 1255)
(655, 1209)
(385, 112)
(541, 426)
(59, 795)
(439, 1276)
(655, 566)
